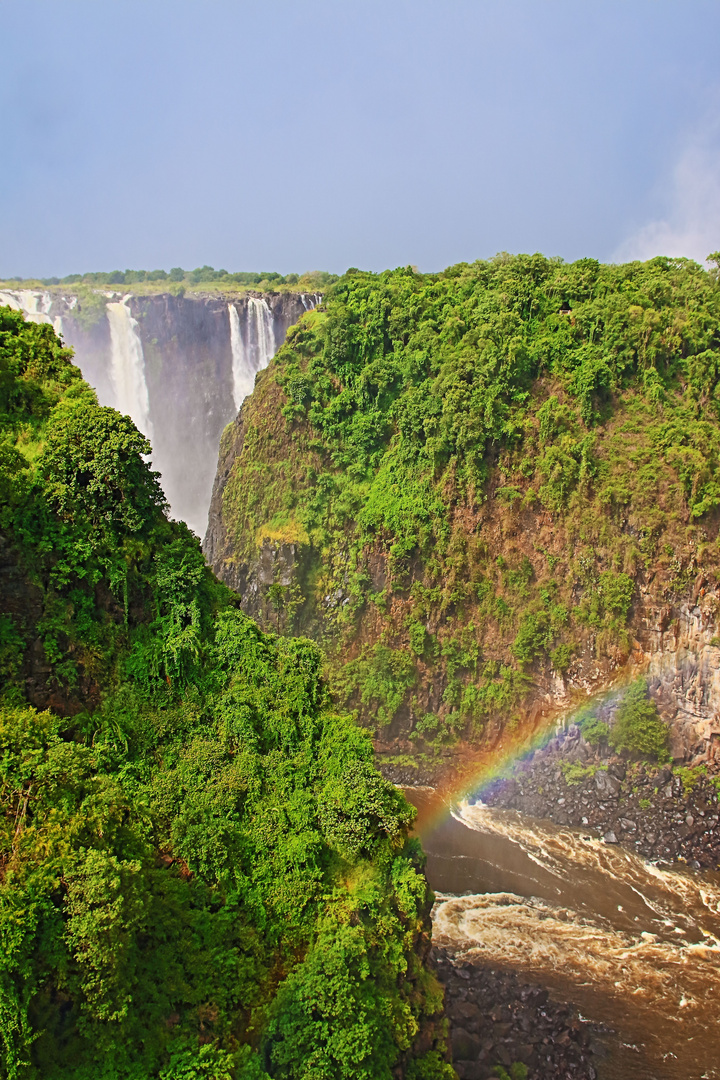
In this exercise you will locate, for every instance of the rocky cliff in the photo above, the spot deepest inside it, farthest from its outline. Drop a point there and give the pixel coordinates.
(178, 364)
(492, 494)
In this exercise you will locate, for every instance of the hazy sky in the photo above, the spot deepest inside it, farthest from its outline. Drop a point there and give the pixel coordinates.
(279, 135)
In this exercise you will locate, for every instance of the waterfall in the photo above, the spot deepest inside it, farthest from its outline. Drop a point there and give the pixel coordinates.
(310, 300)
(254, 352)
(243, 377)
(202, 367)
(35, 306)
(127, 366)
(260, 316)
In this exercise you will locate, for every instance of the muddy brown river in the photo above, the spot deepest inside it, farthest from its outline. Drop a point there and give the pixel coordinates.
(630, 944)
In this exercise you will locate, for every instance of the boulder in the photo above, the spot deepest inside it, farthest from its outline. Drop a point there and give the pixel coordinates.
(607, 784)
(465, 1047)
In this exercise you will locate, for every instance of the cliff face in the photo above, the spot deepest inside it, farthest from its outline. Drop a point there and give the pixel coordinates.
(179, 365)
(672, 632)
(418, 482)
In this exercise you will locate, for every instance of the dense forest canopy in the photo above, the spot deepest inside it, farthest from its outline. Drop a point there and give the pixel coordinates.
(201, 872)
(480, 469)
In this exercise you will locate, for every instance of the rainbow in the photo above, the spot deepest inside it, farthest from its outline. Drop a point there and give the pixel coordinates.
(484, 765)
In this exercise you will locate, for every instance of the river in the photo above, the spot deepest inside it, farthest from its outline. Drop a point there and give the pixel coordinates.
(629, 944)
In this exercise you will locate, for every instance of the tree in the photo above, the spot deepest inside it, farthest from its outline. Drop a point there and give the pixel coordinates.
(93, 467)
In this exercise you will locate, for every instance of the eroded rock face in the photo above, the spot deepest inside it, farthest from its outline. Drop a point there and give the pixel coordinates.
(683, 670)
(677, 649)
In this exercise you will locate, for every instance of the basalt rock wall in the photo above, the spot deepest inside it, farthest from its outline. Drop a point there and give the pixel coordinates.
(674, 639)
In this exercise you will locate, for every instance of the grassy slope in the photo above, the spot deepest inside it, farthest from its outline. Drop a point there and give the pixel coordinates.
(201, 874)
(493, 474)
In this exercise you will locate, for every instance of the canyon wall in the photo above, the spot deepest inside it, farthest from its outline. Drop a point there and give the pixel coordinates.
(488, 518)
(673, 637)
(179, 365)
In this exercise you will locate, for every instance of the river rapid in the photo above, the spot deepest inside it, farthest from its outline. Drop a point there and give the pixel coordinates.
(630, 944)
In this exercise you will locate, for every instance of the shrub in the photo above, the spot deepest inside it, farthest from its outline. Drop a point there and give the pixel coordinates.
(594, 731)
(575, 773)
(638, 727)
(690, 777)
(561, 657)
(616, 592)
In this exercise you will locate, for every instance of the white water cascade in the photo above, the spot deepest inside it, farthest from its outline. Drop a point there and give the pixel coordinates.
(127, 366)
(253, 353)
(243, 378)
(35, 307)
(261, 334)
(310, 300)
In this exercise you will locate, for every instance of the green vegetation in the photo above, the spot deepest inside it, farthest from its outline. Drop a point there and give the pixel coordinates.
(690, 776)
(638, 727)
(576, 773)
(517, 1071)
(201, 872)
(497, 455)
(594, 730)
(201, 278)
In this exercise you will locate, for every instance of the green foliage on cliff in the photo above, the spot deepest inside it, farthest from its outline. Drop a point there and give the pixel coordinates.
(498, 453)
(638, 727)
(201, 873)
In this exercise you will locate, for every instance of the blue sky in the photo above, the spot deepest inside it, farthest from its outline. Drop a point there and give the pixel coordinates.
(284, 136)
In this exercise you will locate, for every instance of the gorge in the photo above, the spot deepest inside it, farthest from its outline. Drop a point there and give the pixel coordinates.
(480, 511)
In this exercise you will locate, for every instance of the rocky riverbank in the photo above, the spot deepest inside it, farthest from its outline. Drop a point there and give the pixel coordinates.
(499, 1021)
(665, 813)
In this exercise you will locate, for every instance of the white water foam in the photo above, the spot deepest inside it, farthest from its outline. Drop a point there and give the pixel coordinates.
(675, 897)
(35, 306)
